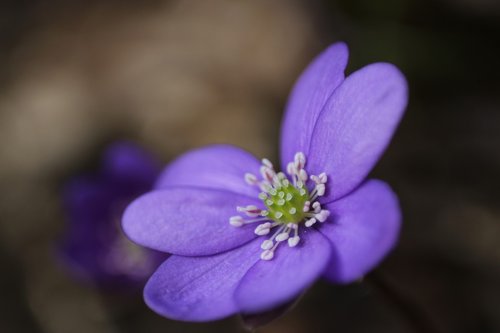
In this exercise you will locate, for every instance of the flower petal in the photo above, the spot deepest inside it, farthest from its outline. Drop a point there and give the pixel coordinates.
(363, 227)
(187, 221)
(200, 288)
(218, 167)
(356, 126)
(308, 97)
(271, 283)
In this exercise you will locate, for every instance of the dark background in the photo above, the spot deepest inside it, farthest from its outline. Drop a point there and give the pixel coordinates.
(173, 75)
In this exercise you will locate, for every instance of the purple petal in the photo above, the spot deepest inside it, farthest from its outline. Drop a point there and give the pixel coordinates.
(129, 163)
(356, 126)
(187, 221)
(271, 283)
(308, 97)
(200, 288)
(363, 227)
(218, 167)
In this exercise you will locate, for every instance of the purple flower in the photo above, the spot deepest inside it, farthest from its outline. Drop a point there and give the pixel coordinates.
(93, 247)
(320, 219)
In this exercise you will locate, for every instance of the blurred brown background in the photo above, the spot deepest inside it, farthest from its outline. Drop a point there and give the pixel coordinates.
(173, 75)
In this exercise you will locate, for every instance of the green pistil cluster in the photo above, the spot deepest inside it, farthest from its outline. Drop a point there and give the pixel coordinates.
(285, 202)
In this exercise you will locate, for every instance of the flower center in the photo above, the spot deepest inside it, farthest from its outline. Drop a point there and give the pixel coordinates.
(288, 203)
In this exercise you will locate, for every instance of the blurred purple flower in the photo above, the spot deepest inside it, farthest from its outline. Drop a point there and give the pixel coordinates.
(337, 224)
(93, 246)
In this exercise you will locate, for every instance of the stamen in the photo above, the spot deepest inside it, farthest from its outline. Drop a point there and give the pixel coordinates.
(282, 237)
(251, 179)
(267, 254)
(267, 173)
(290, 201)
(310, 222)
(303, 175)
(236, 221)
(263, 229)
(250, 210)
(267, 244)
(322, 215)
(267, 163)
(292, 242)
(300, 160)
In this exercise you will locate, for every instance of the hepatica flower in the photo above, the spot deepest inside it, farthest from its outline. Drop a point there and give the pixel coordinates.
(247, 237)
(93, 247)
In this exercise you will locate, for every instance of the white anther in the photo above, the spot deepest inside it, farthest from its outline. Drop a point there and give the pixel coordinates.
(272, 191)
(282, 237)
(300, 184)
(310, 222)
(303, 175)
(285, 183)
(291, 169)
(269, 202)
(267, 173)
(250, 210)
(293, 241)
(265, 186)
(267, 163)
(289, 197)
(293, 226)
(307, 206)
(302, 192)
(236, 221)
(278, 215)
(316, 207)
(276, 180)
(281, 195)
(300, 160)
(267, 244)
(280, 202)
(267, 255)
(320, 190)
(322, 215)
(293, 210)
(262, 196)
(251, 179)
(263, 229)
(323, 178)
